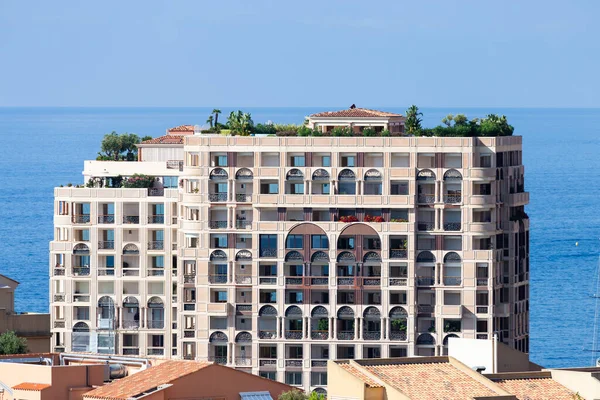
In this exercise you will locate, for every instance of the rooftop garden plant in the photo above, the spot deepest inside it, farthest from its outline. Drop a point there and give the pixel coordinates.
(138, 181)
(349, 218)
(120, 147)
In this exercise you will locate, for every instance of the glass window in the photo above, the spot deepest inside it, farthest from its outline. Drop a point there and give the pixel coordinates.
(293, 378)
(221, 187)
(221, 161)
(294, 242)
(110, 261)
(221, 297)
(326, 188)
(297, 188)
(346, 243)
(399, 188)
(268, 374)
(85, 235)
(297, 161)
(268, 242)
(170, 181)
(327, 161)
(319, 242)
(269, 188)
(347, 188)
(158, 262)
(348, 161)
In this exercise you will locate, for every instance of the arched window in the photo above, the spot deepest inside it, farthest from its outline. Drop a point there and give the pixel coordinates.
(130, 248)
(294, 174)
(81, 249)
(346, 256)
(319, 312)
(426, 175)
(81, 327)
(398, 312)
(155, 302)
(243, 255)
(293, 312)
(218, 174)
(319, 257)
(345, 312)
(373, 175)
(218, 337)
(372, 256)
(426, 256)
(452, 257)
(425, 339)
(445, 342)
(244, 174)
(243, 337)
(373, 183)
(267, 311)
(452, 175)
(320, 175)
(371, 312)
(294, 256)
(347, 182)
(218, 255)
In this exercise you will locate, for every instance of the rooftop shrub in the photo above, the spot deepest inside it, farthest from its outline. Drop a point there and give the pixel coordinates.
(138, 181)
(115, 147)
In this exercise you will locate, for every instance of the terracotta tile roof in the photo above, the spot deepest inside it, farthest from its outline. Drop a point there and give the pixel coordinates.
(359, 374)
(183, 129)
(435, 380)
(535, 389)
(166, 139)
(32, 386)
(355, 113)
(145, 380)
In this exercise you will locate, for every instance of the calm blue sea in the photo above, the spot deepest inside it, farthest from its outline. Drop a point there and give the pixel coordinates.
(41, 148)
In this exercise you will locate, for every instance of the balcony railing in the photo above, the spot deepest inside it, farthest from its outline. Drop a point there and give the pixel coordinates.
(217, 278)
(81, 271)
(131, 272)
(268, 253)
(318, 363)
(481, 336)
(156, 324)
(189, 334)
(426, 226)
(59, 323)
(482, 281)
(243, 361)
(452, 198)
(131, 351)
(106, 219)
(398, 281)
(267, 334)
(189, 307)
(425, 281)
(452, 226)
(371, 281)
(293, 280)
(345, 281)
(156, 245)
(293, 363)
(243, 198)
(481, 309)
(131, 219)
(156, 219)
(59, 271)
(425, 308)
(243, 224)
(319, 281)
(399, 253)
(267, 280)
(175, 164)
(106, 271)
(345, 335)
(452, 281)
(243, 279)
(156, 272)
(217, 197)
(155, 351)
(189, 278)
(217, 224)
(426, 198)
(129, 324)
(372, 335)
(106, 245)
(319, 335)
(398, 335)
(267, 362)
(81, 218)
(156, 191)
(293, 334)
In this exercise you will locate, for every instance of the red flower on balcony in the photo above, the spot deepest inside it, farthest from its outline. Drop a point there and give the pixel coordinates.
(370, 218)
(349, 218)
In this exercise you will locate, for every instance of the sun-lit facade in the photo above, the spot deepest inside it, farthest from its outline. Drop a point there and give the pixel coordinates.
(275, 254)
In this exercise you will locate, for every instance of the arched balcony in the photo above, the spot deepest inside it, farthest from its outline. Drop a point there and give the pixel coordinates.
(294, 182)
(244, 174)
(371, 324)
(218, 268)
(80, 338)
(243, 187)
(359, 242)
(81, 260)
(267, 322)
(452, 187)
(426, 187)
(321, 182)
(425, 345)
(425, 269)
(106, 313)
(131, 313)
(218, 186)
(346, 268)
(293, 323)
(346, 182)
(373, 182)
(156, 313)
(306, 245)
(243, 349)
(131, 260)
(445, 342)
(452, 269)
(243, 267)
(371, 269)
(217, 349)
(293, 268)
(345, 323)
(319, 323)
(319, 268)
(398, 323)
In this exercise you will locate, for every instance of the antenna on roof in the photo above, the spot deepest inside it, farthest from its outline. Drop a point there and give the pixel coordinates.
(353, 106)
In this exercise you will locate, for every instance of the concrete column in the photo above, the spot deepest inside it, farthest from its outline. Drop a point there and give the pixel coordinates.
(356, 327)
(119, 317)
(232, 353)
(330, 328)
(231, 272)
(334, 330)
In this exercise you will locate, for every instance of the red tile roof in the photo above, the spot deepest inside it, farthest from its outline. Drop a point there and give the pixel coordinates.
(146, 380)
(183, 129)
(535, 389)
(355, 113)
(430, 380)
(32, 386)
(360, 375)
(166, 139)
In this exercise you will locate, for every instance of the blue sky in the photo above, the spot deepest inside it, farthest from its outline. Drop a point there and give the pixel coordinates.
(300, 53)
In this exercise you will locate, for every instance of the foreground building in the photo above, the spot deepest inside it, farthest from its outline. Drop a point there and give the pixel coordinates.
(274, 254)
(33, 327)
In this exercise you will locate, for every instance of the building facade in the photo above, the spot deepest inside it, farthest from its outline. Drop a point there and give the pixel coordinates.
(275, 254)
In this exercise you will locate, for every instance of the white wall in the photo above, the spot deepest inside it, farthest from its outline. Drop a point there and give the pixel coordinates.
(473, 353)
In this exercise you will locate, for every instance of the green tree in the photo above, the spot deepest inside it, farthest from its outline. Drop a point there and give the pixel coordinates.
(240, 123)
(128, 145)
(316, 396)
(460, 119)
(413, 122)
(10, 343)
(293, 395)
(210, 121)
(447, 120)
(111, 146)
(147, 137)
(216, 111)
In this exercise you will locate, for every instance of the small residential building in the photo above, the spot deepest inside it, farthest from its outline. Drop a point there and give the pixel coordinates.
(33, 327)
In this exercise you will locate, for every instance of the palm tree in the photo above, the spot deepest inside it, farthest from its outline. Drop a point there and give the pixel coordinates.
(216, 111)
(413, 122)
(240, 123)
(210, 121)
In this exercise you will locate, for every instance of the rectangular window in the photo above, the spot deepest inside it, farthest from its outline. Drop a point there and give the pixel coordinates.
(485, 160)
(63, 208)
(347, 188)
(399, 188)
(221, 187)
(326, 161)
(326, 188)
(297, 161)
(158, 262)
(297, 188)
(110, 261)
(269, 188)
(319, 242)
(268, 374)
(294, 242)
(348, 161)
(170, 182)
(268, 245)
(293, 378)
(221, 161)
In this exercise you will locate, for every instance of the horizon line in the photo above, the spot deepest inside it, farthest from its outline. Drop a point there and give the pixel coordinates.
(316, 106)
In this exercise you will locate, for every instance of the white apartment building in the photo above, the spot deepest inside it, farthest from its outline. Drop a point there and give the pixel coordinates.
(275, 254)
